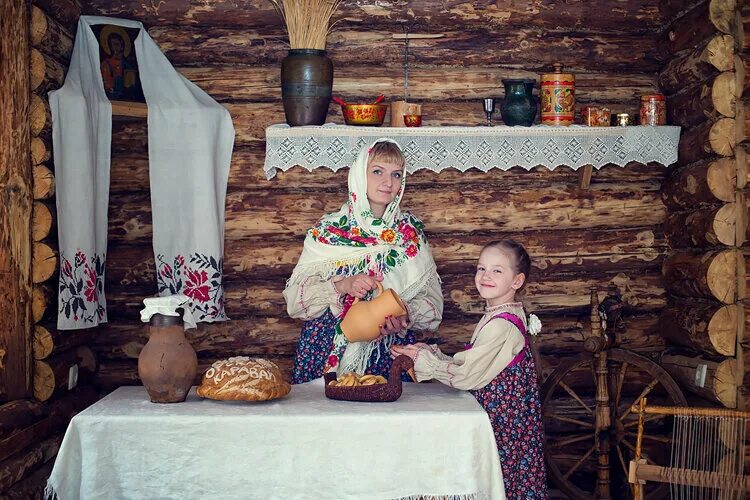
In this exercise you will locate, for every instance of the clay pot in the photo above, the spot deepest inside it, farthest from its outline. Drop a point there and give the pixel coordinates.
(363, 319)
(167, 364)
(306, 86)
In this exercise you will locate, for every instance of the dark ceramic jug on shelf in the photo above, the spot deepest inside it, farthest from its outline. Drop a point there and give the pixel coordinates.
(519, 106)
(167, 364)
(306, 86)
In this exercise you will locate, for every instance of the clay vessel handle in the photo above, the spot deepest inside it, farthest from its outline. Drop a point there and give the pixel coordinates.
(379, 291)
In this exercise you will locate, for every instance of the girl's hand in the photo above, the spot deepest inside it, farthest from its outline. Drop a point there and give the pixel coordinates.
(408, 350)
(357, 285)
(393, 325)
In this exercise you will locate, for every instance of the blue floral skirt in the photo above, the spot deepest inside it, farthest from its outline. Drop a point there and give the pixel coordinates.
(316, 342)
(515, 410)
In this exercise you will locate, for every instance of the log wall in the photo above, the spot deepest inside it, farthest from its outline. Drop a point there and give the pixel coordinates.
(607, 236)
(31, 429)
(706, 226)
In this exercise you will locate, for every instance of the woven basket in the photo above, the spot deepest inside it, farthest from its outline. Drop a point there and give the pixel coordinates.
(377, 393)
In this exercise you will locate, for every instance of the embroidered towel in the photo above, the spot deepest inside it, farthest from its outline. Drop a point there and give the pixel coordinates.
(190, 140)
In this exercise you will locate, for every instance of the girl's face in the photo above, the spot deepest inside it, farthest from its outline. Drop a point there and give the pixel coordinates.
(496, 279)
(383, 182)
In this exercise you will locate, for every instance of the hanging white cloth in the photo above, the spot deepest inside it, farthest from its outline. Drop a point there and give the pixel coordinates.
(190, 141)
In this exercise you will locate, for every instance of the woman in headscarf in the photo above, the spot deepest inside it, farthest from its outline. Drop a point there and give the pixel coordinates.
(346, 254)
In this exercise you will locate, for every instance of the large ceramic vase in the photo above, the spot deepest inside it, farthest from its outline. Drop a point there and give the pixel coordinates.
(306, 86)
(167, 364)
(519, 106)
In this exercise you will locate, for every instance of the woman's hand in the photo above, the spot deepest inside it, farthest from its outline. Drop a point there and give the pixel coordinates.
(357, 285)
(410, 350)
(393, 325)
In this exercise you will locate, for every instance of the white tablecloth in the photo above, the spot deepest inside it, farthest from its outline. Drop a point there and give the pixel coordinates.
(433, 441)
(437, 148)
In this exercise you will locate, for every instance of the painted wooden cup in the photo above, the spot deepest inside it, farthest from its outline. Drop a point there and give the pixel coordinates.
(363, 319)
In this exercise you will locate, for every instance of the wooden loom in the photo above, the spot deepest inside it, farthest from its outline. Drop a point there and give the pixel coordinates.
(707, 453)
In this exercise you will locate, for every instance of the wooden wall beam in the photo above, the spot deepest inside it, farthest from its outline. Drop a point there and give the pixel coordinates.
(583, 15)
(15, 202)
(698, 65)
(698, 23)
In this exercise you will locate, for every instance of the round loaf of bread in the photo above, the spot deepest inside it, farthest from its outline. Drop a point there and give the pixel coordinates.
(243, 378)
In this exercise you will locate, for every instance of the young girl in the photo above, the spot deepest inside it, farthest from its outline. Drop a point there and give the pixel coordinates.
(346, 254)
(498, 368)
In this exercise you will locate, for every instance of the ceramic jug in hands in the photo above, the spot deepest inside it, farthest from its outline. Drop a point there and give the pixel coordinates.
(363, 319)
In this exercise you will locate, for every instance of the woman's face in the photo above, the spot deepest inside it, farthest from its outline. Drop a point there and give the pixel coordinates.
(383, 182)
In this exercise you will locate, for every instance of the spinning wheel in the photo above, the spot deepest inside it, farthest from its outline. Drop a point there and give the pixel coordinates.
(590, 441)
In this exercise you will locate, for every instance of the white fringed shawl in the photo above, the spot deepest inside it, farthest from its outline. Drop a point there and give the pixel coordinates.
(190, 140)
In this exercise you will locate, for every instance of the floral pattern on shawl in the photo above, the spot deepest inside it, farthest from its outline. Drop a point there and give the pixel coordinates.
(81, 285)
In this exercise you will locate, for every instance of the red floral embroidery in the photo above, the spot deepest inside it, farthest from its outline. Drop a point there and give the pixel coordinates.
(411, 250)
(333, 361)
(90, 288)
(196, 287)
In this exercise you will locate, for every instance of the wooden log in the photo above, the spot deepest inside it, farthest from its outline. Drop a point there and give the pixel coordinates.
(698, 65)
(44, 182)
(568, 251)
(262, 84)
(467, 47)
(699, 23)
(706, 327)
(46, 73)
(49, 36)
(577, 14)
(278, 336)
(43, 262)
(706, 227)
(57, 416)
(52, 374)
(42, 297)
(66, 12)
(707, 101)
(642, 291)
(42, 221)
(711, 182)
(480, 208)
(17, 467)
(113, 374)
(40, 152)
(49, 341)
(710, 275)
(19, 414)
(33, 485)
(15, 203)
(40, 119)
(251, 119)
(129, 173)
(716, 381)
(707, 140)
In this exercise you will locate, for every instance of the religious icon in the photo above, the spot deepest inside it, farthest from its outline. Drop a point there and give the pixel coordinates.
(118, 63)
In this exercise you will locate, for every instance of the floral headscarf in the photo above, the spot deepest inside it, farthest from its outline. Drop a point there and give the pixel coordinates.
(354, 241)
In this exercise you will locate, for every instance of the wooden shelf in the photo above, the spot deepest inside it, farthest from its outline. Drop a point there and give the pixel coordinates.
(132, 109)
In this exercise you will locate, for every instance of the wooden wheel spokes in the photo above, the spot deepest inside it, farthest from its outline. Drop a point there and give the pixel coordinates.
(658, 439)
(579, 462)
(650, 418)
(644, 393)
(571, 440)
(620, 380)
(575, 396)
(569, 420)
(622, 460)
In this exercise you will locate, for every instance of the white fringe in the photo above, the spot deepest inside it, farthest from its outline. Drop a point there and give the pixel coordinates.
(49, 492)
(470, 496)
